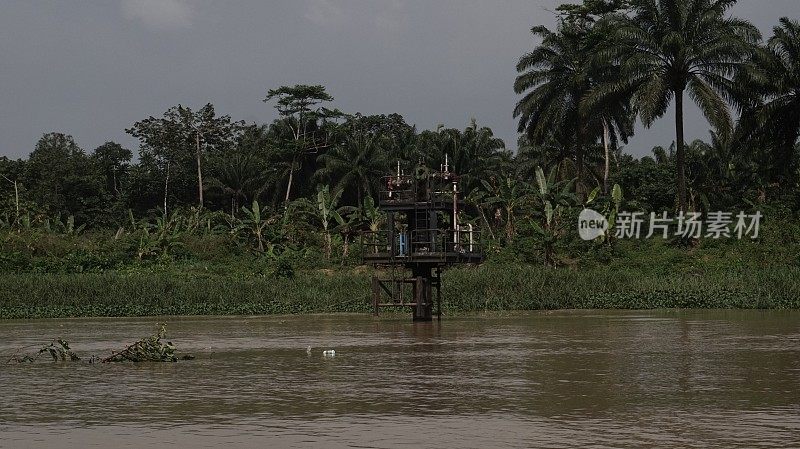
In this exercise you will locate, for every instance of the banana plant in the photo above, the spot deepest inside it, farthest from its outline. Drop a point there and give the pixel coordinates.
(551, 201)
(609, 209)
(159, 238)
(298, 221)
(26, 222)
(65, 227)
(203, 221)
(68, 226)
(349, 219)
(507, 196)
(255, 223)
(328, 214)
(373, 218)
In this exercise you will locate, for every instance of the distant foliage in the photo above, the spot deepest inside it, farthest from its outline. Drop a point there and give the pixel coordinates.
(298, 191)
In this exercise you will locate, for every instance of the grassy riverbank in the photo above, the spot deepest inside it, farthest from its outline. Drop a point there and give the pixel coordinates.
(491, 287)
(42, 275)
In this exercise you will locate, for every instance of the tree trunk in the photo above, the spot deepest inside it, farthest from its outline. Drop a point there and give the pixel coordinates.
(485, 220)
(579, 187)
(509, 224)
(289, 185)
(166, 190)
(199, 171)
(606, 169)
(680, 154)
(16, 202)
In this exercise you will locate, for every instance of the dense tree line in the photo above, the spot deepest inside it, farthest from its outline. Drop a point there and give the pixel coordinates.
(611, 62)
(202, 159)
(583, 86)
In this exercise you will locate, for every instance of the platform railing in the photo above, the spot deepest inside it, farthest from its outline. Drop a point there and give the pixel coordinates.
(422, 243)
(377, 242)
(398, 189)
(462, 241)
(405, 189)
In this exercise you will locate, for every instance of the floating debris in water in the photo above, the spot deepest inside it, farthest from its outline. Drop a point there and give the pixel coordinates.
(329, 353)
(58, 349)
(150, 349)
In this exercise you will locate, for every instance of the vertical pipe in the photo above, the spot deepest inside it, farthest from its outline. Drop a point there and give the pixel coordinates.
(455, 207)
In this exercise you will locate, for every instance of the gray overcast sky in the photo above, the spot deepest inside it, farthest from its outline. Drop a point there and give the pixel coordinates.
(93, 68)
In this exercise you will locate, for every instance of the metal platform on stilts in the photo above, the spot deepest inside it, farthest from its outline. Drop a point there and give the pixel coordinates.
(421, 237)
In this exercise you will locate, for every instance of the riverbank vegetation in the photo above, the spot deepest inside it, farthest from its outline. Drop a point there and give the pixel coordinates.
(218, 216)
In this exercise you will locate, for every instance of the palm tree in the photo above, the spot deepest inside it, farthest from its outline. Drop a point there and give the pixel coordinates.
(357, 163)
(473, 154)
(668, 47)
(774, 75)
(559, 74)
(476, 155)
(242, 177)
(554, 77)
(613, 116)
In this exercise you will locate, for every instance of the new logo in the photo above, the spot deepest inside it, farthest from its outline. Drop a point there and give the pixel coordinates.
(591, 224)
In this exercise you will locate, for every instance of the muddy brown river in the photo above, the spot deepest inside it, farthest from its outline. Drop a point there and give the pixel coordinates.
(723, 379)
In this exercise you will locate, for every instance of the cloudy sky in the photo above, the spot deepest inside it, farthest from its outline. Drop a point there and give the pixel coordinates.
(93, 68)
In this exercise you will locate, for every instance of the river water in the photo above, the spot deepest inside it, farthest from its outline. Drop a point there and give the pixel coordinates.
(549, 379)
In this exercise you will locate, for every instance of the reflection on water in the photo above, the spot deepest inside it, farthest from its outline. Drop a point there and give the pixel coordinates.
(620, 379)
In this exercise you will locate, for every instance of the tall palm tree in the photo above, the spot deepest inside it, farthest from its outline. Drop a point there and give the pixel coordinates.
(548, 155)
(357, 164)
(774, 75)
(612, 117)
(554, 77)
(668, 47)
(243, 177)
(473, 154)
(558, 75)
(478, 155)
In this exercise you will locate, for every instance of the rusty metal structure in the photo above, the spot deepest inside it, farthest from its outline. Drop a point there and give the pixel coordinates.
(420, 238)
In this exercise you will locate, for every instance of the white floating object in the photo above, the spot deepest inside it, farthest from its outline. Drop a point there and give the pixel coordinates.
(329, 353)
(308, 350)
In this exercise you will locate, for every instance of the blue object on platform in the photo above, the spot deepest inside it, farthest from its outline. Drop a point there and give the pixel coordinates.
(403, 245)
